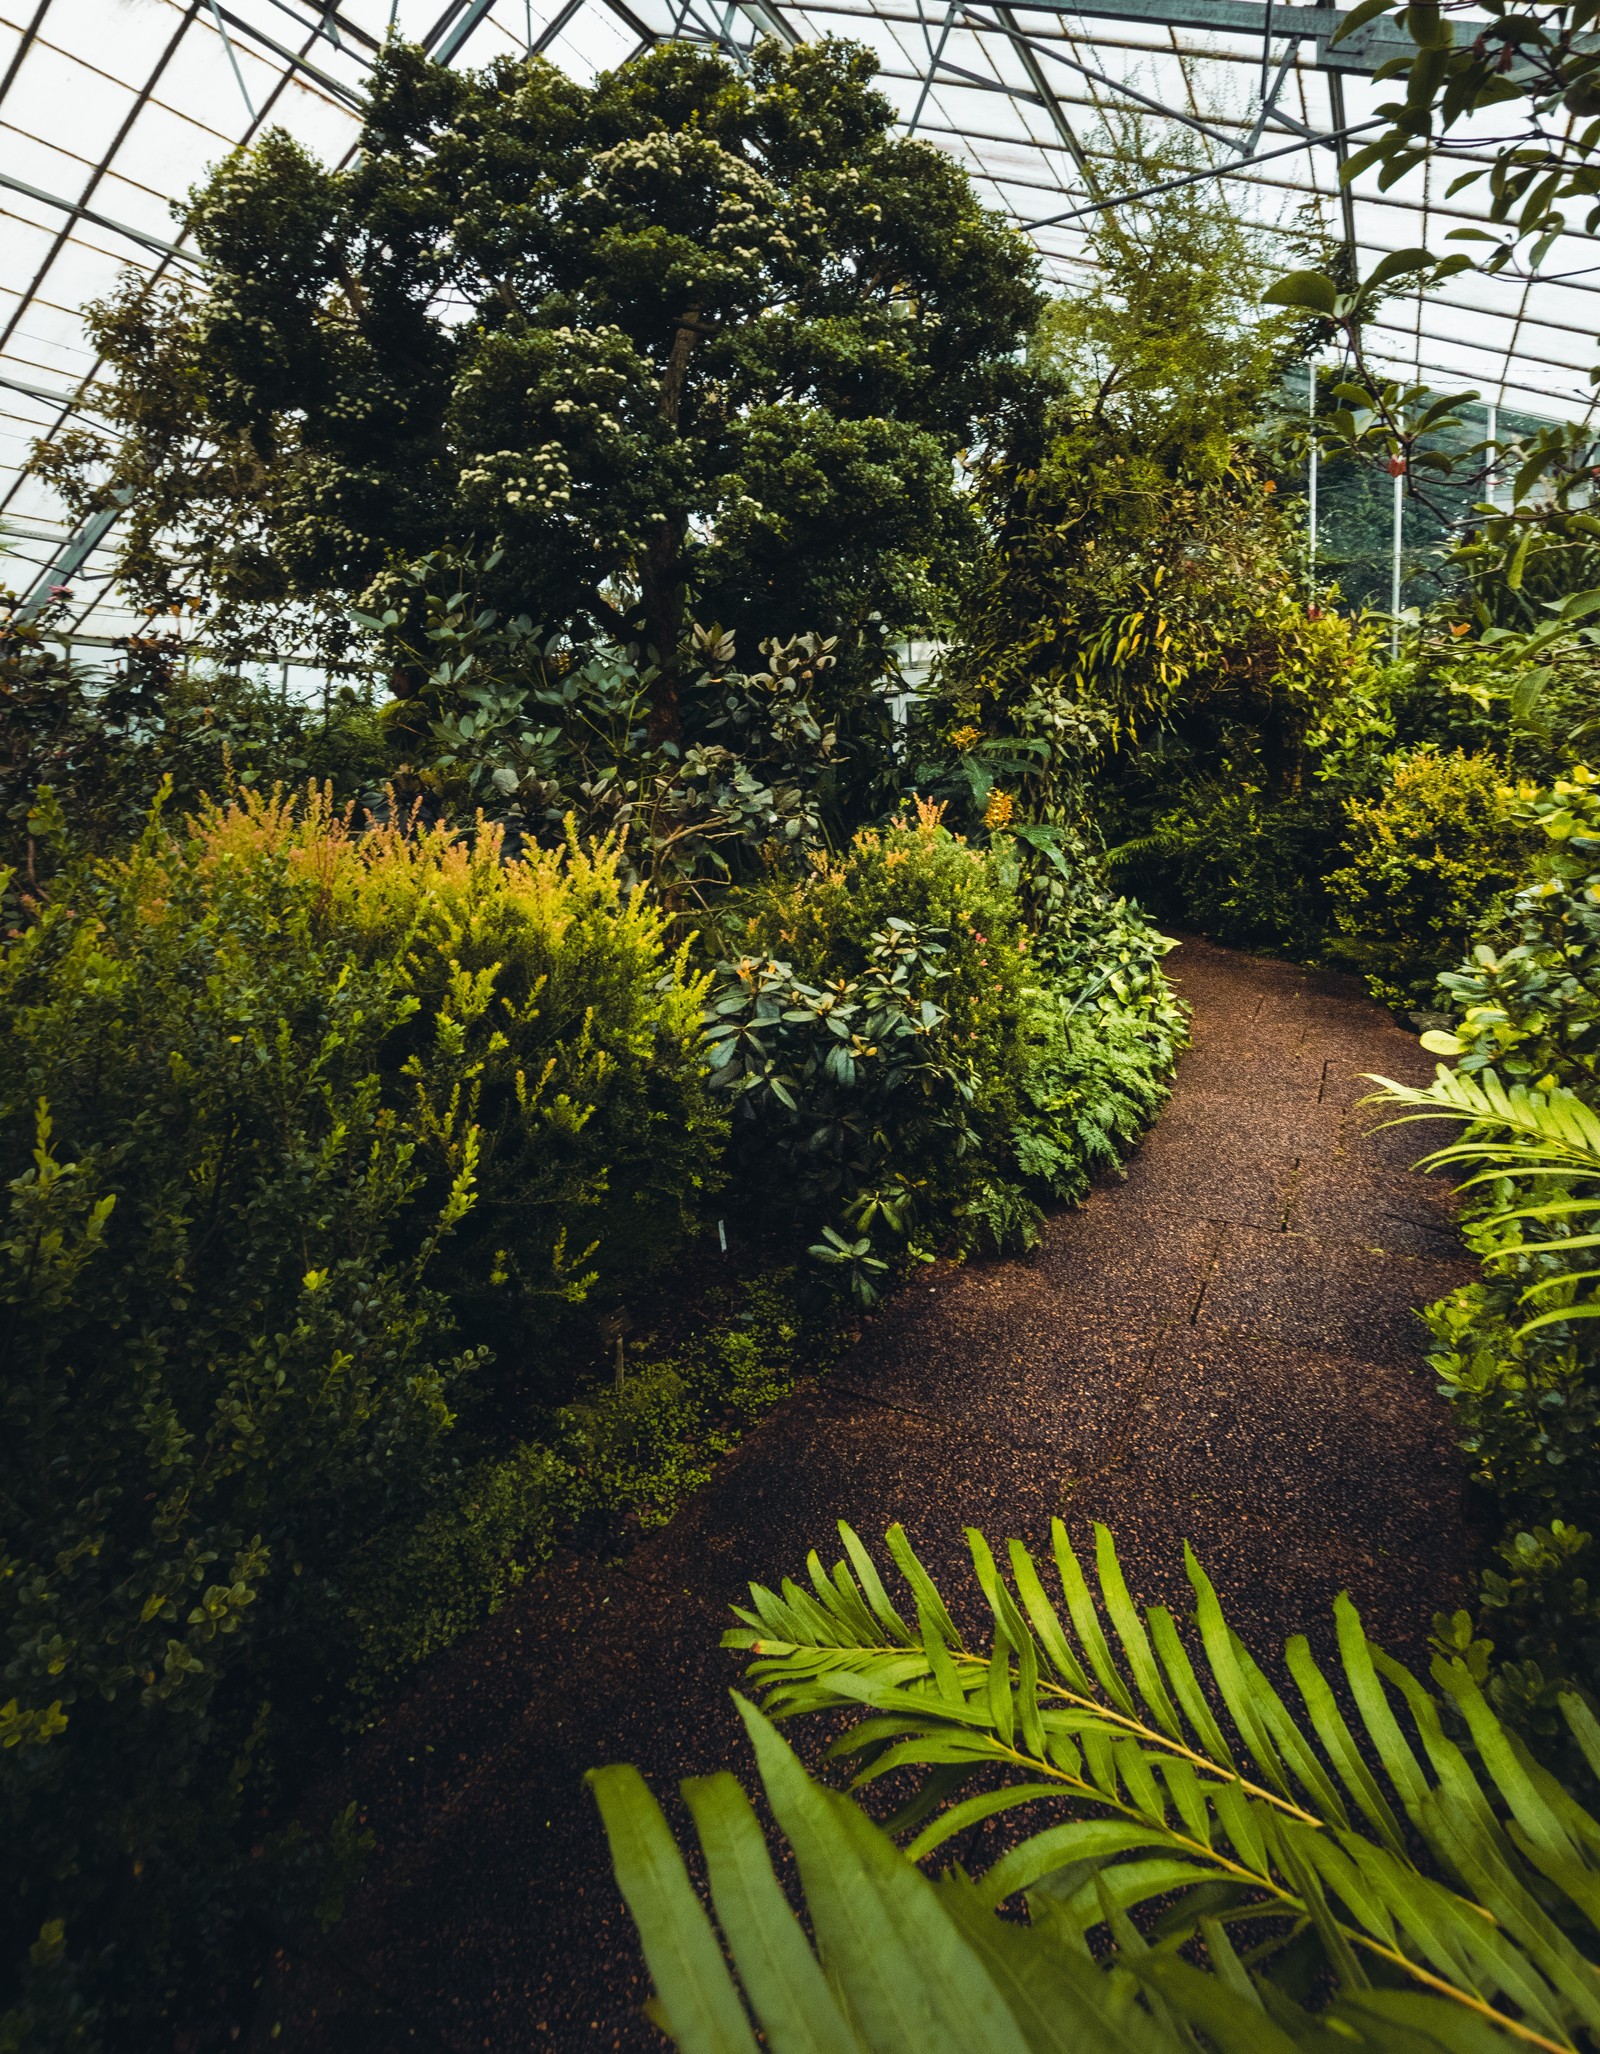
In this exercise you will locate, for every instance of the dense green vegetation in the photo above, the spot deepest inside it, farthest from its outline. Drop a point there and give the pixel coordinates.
(1433, 822)
(384, 1078)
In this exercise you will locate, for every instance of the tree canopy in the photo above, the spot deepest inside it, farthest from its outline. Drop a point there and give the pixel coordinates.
(685, 330)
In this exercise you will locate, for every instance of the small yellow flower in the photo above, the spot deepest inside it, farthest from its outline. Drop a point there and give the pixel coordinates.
(964, 737)
(999, 810)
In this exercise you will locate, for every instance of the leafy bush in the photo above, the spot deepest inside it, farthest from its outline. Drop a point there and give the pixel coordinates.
(497, 717)
(547, 1019)
(1516, 1355)
(1227, 856)
(1543, 1613)
(285, 1108)
(1525, 1407)
(901, 1071)
(221, 1365)
(1349, 1877)
(1528, 997)
(1427, 860)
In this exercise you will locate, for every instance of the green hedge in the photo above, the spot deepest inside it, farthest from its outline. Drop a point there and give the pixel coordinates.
(288, 1116)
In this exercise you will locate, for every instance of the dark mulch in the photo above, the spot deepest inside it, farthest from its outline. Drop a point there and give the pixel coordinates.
(1221, 1347)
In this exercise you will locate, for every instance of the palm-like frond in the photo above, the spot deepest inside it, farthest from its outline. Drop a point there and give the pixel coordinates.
(1520, 1134)
(1452, 1903)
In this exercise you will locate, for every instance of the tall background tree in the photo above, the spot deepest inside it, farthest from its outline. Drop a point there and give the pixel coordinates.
(685, 335)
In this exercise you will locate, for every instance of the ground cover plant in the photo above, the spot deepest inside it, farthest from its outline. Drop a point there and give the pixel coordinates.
(1349, 1875)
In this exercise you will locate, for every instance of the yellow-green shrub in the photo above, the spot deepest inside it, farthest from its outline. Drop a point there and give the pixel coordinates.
(275, 1095)
(1425, 861)
(549, 1019)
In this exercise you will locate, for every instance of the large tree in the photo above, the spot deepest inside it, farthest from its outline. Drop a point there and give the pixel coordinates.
(684, 336)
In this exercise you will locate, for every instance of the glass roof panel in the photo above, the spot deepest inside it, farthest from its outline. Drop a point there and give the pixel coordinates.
(111, 109)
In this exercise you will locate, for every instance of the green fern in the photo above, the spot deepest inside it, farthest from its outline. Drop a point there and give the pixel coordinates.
(1451, 1904)
(1518, 1133)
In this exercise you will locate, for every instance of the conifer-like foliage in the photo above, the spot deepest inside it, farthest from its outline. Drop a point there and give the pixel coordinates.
(1440, 1890)
(684, 328)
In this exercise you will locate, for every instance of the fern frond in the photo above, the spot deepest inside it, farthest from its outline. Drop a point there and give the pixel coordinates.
(1384, 1846)
(1519, 1134)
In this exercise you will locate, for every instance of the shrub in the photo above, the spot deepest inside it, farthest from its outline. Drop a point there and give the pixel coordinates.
(1228, 857)
(1543, 1613)
(903, 1073)
(220, 1365)
(285, 1108)
(1528, 996)
(549, 1019)
(1427, 859)
(1525, 1404)
(1516, 1355)
(415, 1588)
(621, 1458)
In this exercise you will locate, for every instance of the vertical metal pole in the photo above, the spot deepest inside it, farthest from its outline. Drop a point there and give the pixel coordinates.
(1399, 469)
(1311, 496)
(1493, 479)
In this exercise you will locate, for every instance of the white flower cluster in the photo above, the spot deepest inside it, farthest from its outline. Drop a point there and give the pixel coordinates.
(545, 486)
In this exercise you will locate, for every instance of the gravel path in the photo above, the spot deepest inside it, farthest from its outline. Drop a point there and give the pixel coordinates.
(1220, 1347)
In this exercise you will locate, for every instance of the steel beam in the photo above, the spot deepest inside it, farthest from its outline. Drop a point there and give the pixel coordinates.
(72, 556)
(1364, 51)
(1052, 106)
(90, 214)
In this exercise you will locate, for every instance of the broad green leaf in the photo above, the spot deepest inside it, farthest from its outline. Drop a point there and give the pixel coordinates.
(1359, 16)
(973, 1810)
(1230, 2021)
(781, 1976)
(909, 1981)
(922, 1585)
(877, 1597)
(699, 2005)
(1308, 289)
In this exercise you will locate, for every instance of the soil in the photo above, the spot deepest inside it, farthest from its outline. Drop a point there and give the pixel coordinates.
(1221, 1347)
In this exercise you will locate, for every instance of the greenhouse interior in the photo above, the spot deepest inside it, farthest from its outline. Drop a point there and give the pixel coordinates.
(801, 1019)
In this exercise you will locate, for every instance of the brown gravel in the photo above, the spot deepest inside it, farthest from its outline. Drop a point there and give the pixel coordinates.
(1220, 1347)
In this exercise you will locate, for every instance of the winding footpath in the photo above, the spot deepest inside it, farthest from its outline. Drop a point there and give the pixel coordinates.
(1221, 1347)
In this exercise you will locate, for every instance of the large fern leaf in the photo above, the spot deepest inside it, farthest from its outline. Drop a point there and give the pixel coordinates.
(1521, 1134)
(902, 1965)
(1152, 1774)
